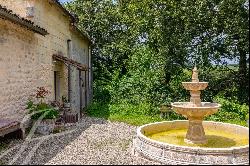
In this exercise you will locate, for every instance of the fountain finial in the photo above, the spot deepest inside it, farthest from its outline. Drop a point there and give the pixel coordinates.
(195, 75)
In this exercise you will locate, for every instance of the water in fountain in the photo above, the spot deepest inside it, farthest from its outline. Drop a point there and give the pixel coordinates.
(215, 138)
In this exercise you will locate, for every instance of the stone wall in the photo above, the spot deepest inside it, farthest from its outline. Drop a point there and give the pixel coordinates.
(26, 58)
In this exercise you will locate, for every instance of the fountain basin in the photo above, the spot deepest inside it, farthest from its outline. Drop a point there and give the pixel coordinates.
(187, 110)
(195, 86)
(167, 153)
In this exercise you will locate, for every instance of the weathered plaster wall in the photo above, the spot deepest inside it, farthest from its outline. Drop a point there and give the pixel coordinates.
(51, 18)
(80, 53)
(20, 68)
(26, 58)
(18, 6)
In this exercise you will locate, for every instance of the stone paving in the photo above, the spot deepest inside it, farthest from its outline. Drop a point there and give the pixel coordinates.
(91, 141)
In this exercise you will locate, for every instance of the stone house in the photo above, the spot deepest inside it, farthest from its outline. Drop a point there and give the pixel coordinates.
(41, 46)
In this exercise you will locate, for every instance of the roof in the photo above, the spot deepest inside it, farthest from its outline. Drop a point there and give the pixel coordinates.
(9, 15)
(83, 35)
(76, 64)
(71, 15)
(74, 19)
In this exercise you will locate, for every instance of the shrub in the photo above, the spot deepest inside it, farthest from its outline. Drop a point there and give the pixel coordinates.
(145, 81)
(37, 110)
(125, 112)
(222, 82)
(230, 111)
(48, 114)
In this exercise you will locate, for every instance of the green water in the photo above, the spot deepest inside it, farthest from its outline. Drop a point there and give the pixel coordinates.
(216, 138)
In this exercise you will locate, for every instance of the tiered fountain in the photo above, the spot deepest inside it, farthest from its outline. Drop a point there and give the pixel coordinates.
(167, 142)
(195, 110)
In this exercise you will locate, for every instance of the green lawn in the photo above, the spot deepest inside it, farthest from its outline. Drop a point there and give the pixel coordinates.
(121, 113)
(134, 115)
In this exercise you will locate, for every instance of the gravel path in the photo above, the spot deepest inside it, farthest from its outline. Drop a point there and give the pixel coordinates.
(91, 141)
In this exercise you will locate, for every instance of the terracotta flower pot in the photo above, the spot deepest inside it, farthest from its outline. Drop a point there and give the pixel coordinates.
(46, 126)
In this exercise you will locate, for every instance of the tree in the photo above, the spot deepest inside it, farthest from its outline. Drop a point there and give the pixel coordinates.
(177, 33)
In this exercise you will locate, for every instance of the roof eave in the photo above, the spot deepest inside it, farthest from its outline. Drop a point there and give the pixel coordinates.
(74, 20)
(8, 15)
(72, 17)
(83, 35)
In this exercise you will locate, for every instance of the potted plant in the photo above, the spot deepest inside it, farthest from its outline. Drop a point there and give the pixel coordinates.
(46, 124)
(56, 105)
(42, 114)
(66, 103)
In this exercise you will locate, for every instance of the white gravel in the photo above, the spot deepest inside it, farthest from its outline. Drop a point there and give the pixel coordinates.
(91, 141)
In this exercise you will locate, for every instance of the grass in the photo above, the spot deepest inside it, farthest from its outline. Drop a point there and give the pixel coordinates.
(140, 114)
(238, 122)
(134, 119)
(123, 113)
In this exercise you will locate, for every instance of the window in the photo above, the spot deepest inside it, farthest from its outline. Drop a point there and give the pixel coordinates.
(30, 8)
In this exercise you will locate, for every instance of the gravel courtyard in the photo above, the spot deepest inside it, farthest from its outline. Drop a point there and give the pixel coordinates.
(91, 141)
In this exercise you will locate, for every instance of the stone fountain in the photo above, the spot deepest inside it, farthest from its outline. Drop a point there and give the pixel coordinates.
(195, 110)
(193, 146)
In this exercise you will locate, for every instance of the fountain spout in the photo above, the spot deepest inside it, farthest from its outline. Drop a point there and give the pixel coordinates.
(195, 75)
(195, 87)
(195, 93)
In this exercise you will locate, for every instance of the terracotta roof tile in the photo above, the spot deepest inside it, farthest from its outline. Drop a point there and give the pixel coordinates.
(9, 15)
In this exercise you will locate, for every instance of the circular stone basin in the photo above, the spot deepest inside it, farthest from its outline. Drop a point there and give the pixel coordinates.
(186, 109)
(196, 86)
(164, 142)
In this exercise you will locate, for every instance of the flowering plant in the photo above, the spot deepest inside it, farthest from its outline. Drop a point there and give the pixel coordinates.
(41, 93)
